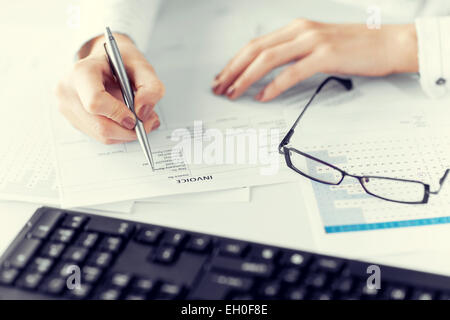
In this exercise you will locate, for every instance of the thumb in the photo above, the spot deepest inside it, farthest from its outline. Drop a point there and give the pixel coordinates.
(149, 90)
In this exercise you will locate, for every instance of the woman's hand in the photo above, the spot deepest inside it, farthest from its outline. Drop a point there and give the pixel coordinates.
(318, 47)
(92, 101)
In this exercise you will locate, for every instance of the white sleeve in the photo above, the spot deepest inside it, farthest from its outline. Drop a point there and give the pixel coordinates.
(434, 54)
(135, 18)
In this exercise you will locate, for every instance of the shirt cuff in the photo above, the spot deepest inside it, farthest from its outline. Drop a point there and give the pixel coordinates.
(134, 18)
(434, 55)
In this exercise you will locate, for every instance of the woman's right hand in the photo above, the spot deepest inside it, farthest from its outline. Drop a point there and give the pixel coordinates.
(92, 101)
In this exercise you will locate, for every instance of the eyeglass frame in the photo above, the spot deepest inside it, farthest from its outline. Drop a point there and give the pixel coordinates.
(285, 150)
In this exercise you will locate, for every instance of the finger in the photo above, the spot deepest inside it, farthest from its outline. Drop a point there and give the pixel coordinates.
(152, 123)
(268, 60)
(105, 128)
(247, 54)
(149, 89)
(290, 76)
(117, 142)
(97, 127)
(89, 83)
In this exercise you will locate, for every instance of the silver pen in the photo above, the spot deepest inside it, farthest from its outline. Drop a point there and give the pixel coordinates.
(118, 69)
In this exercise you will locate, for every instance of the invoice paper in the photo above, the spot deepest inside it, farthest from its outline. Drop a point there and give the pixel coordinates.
(93, 173)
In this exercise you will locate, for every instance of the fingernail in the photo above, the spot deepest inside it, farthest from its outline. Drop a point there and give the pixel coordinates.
(221, 88)
(230, 92)
(145, 113)
(217, 77)
(260, 95)
(215, 81)
(128, 123)
(156, 125)
(215, 87)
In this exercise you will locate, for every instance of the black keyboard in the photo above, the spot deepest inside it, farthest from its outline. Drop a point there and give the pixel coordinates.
(120, 259)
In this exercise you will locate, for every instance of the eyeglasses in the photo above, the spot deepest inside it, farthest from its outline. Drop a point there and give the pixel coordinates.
(385, 188)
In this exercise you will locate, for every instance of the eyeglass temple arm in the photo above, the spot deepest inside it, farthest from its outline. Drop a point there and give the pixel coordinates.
(347, 83)
(441, 182)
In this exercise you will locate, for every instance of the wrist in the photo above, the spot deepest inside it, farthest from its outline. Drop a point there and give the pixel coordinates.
(404, 49)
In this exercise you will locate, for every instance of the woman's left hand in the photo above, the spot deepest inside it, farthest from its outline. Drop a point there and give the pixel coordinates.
(318, 47)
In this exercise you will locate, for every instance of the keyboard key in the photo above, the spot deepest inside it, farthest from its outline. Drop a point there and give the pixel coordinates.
(8, 275)
(296, 294)
(100, 259)
(53, 285)
(169, 291)
(321, 296)
(396, 293)
(120, 280)
(91, 274)
(329, 265)
(46, 223)
(165, 255)
(234, 282)
(74, 221)
(269, 290)
(29, 280)
(75, 254)
(217, 286)
(111, 244)
(175, 239)
(88, 239)
(135, 296)
(143, 285)
(296, 259)
(63, 235)
(110, 227)
(23, 253)
(53, 250)
(82, 292)
(64, 269)
(149, 235)
(290, 275)
(265, 254)
(250, 268)
(235, 249)
(316, 280)
(199, 244)
(109, 294)
(423, 295)
(41, 265)
(369, 292)
(343, 285)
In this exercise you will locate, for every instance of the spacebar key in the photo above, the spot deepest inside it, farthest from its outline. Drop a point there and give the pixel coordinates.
(243, 267)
